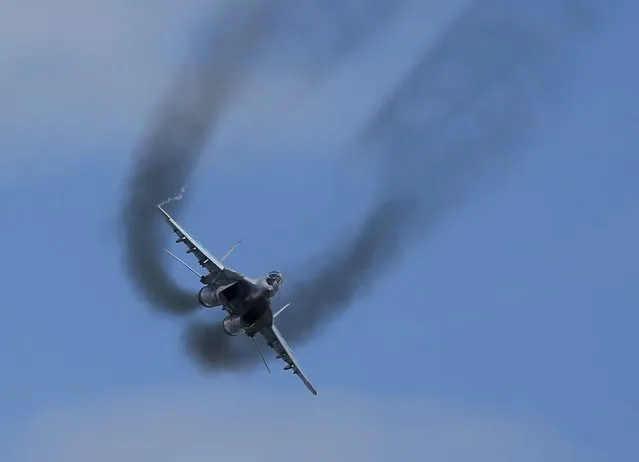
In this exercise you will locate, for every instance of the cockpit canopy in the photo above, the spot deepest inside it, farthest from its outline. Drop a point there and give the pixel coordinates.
(274, 279)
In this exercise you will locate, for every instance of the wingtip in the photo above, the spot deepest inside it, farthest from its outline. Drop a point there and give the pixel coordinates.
(159, 207)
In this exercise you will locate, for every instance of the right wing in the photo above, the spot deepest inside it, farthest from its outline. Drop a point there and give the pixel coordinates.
(276, 341)
(218, 272)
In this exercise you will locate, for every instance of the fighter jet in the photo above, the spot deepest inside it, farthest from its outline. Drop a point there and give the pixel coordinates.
(247, 301)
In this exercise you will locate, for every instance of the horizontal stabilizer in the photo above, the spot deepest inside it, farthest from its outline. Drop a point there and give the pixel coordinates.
(231, 250)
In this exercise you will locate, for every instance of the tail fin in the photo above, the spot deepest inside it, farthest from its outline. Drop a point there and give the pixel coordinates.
(231, 250)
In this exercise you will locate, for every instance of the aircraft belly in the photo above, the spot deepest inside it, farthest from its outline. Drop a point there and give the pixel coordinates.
(255, 310)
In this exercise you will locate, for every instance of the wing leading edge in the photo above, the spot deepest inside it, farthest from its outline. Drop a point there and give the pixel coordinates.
(207, 261)
(276, 341)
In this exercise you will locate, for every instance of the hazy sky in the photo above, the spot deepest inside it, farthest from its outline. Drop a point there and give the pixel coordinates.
(505, 332)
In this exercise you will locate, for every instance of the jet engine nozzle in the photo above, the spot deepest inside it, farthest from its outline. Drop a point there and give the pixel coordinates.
(233, 325)
(207, 296)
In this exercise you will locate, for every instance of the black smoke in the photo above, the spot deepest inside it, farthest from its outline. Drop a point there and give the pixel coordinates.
(205, 87)
(168, 156)
(211, 348)
(464, 113)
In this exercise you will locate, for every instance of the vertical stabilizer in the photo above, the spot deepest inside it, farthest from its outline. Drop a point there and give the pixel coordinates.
(231, 250)
(280, 310)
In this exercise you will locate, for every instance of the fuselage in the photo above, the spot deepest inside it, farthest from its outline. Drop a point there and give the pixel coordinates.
(248, 301)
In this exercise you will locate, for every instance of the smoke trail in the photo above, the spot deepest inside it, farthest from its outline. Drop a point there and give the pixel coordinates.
(464, 111)
(192, 106)
(211, 348)
(205, 87)
(169, 155)
(319, 34)
(324, 43)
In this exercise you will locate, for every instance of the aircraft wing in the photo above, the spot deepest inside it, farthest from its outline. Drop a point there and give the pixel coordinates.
(207, 261)
(276, 341)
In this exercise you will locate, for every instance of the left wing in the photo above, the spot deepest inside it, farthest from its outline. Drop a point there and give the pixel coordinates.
(276, 341)
(216, 268)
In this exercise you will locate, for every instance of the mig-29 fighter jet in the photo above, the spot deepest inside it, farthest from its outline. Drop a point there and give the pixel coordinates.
(247, 301)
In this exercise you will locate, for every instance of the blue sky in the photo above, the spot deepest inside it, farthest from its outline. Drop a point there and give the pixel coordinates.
(515, 341)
